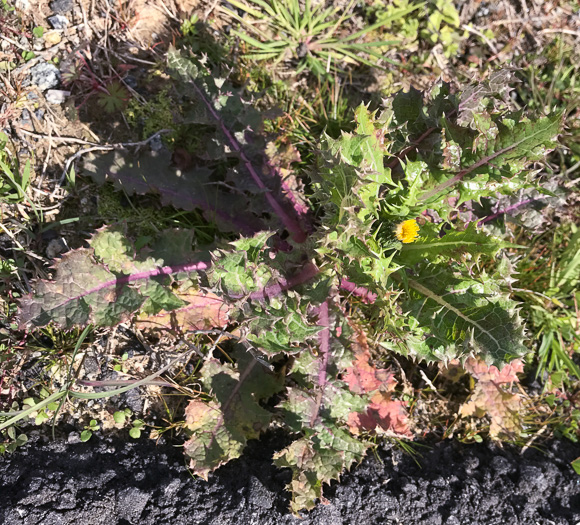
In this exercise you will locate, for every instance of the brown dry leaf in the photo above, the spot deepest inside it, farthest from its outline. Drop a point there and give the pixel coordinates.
(492, 396)
(203, 311)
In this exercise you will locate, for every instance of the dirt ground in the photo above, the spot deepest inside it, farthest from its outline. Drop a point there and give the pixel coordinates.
(108, 481)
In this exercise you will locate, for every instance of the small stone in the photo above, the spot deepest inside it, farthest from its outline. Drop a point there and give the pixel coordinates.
(25, 120)
(58, 21)
(60, 7)
(52, 38)
(45, 76)
(55, 247)
(74, 437)
(56, 96)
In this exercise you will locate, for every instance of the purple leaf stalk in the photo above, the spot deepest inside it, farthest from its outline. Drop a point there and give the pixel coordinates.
(364, 293)
(291, 223)
(324, 340)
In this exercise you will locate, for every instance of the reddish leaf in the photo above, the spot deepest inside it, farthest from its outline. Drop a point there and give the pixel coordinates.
(491, 396)
(384, 414)
(363, 377)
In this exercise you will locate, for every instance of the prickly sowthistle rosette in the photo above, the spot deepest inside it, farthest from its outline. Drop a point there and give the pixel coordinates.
(411, 290)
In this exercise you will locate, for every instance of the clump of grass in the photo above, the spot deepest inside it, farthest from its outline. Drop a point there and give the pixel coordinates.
(309, 37)
(548, 284)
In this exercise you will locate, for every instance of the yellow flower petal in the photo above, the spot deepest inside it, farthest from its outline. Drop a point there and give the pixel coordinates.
(407, 231)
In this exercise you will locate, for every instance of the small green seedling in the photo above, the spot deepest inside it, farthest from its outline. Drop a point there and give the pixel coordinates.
(120, 365)
(89, 429)
(135, 432)
(14, 442)
(121, 416)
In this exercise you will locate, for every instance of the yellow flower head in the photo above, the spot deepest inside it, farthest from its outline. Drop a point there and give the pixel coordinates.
(407, 231)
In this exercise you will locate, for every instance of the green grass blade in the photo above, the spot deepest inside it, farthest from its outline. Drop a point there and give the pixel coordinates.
(395, 16)
(269, 47)
(340, 19)
(571, 260)
(261, 56)
(248, 9)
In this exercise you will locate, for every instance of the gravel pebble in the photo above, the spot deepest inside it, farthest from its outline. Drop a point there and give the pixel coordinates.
(60, 7)
(45, 76)
(58, 21)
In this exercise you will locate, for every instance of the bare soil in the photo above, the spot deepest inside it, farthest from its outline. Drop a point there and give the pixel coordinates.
(115, 481)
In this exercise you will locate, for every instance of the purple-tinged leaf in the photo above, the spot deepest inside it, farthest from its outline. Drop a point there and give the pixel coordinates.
(104, 285)
(222, 426)
(188, 189)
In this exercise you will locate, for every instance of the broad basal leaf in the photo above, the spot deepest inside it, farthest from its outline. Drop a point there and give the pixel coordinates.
(463, 316)
(83, 292)
(221, 427)
(104, 285)
(185, 189)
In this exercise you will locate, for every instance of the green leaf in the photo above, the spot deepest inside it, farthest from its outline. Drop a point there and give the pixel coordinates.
(463, 316)
(114, 98)
(119, 417)
(501, 151)
(457, 245)
(281, 330)
(318, 460)
(576, 465)
(222, 426)
(38, 31)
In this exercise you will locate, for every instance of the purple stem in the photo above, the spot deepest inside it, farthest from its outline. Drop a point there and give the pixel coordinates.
(324, 340)
(507, 210)
(164, 270)
(365, 294)
(290, 223)
(299, 208)
(308, 271)
(118, 281)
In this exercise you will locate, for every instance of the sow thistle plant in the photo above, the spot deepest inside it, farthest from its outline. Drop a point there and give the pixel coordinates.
(376, 259)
